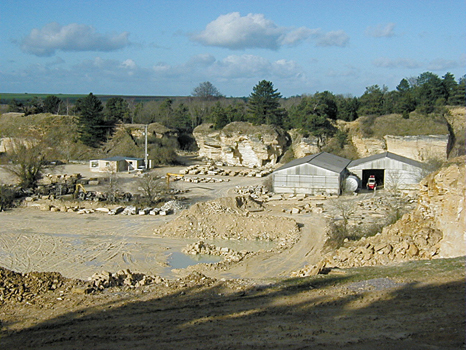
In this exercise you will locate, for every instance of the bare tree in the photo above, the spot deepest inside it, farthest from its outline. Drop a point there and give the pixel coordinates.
(394, 184)
(113, 185)
(206, 91)
(27, 159)
(344, 208)
(150, 185)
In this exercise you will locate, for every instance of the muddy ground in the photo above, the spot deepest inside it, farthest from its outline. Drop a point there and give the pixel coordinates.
(250, 304)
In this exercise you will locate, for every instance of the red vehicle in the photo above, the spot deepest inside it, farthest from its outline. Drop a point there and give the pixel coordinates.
(371, 183)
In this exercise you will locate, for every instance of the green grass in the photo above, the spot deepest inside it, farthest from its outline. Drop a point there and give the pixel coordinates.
(417, 124)
(5, 98)
(401, 272)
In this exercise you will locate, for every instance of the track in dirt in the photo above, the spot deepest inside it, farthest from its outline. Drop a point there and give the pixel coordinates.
(280, 264)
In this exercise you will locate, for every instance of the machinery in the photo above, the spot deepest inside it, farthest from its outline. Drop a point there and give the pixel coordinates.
(174, 176)
(371, 183)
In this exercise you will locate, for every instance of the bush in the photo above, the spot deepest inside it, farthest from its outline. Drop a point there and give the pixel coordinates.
(7, 197)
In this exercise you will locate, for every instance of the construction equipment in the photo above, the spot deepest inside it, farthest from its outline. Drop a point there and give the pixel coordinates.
(80, 192)
(174, 176)
(371, 183)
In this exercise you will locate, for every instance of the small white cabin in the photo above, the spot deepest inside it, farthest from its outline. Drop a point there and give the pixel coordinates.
(116, 164)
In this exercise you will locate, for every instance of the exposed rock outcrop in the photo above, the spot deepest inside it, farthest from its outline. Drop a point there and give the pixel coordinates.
(435, 228)
(368, 146)
(241, 144)
(303, 146)
(420, 147)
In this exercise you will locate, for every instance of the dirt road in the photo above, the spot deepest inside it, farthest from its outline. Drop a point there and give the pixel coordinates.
(281, 263)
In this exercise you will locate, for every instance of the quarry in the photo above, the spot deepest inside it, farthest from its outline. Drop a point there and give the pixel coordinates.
(235, 256)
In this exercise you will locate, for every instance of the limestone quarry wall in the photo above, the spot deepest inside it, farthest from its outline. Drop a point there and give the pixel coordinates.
(419, 147)
(367, 146)
(303, 146)
(441, 208)
(241, 144)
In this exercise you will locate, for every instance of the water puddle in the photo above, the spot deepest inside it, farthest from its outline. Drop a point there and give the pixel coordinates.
(178, 260)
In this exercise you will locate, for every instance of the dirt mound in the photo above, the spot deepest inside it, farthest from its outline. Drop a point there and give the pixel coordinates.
(230, 218)
(17, 287)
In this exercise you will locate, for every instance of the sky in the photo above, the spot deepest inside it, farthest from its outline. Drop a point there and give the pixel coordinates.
(167, 48)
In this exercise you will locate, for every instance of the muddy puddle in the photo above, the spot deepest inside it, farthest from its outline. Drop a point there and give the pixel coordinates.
(79, 255)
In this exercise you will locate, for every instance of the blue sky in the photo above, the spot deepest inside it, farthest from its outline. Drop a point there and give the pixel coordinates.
(137, 47)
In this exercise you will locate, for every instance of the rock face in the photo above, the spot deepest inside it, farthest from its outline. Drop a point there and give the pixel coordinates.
(420, 147)
(435, 228)
(241, 144)
(303, 146)
(441, 205)
(367, 146)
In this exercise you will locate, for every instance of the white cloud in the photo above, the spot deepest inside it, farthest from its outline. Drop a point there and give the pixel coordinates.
(129, 64)
(381, 31)
(442, 64)
(334, 38)
(384, 62)
(236, 74)
(296, 36)
(72, 37)
(235, 32)
(201, 60)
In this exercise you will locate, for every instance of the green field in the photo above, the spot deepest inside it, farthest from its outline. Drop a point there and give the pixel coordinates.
(5, 98)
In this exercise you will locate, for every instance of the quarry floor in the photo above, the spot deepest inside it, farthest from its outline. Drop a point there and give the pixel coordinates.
(252, 304)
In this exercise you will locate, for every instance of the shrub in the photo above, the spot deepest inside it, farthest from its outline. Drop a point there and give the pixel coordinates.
(7, 197)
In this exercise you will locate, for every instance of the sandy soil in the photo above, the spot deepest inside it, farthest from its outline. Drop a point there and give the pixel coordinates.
(252, 304)
(418, 305)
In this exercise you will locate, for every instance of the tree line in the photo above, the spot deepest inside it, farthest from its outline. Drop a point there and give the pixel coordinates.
(313, 114)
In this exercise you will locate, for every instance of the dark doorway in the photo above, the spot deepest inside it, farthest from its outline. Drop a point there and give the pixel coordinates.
(379, 176)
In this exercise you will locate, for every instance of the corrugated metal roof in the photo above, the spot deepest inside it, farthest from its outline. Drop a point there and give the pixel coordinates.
(386, 155)
(322, 160)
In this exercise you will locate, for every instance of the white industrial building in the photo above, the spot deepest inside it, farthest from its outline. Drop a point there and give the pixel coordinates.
(116, 164)
(325, 173)
(321, 173)
(390, 170)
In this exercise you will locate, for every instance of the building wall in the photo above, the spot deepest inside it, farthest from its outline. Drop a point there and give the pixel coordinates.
(306, 178)
(100, 165)
(397, 174)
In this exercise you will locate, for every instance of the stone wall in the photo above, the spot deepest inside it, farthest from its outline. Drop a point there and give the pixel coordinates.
(241, 144)
(419, 147)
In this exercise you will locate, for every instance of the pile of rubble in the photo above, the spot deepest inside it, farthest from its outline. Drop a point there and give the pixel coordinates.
(18, 287)
(211, 169)
(202, 248)
(387, 247)
(231, 218)
(123, 278)
(256, 192)
(310, 270)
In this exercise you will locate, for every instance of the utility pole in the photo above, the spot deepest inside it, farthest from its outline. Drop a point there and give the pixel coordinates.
(146, 161)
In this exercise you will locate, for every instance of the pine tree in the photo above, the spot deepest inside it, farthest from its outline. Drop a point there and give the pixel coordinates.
(264, 105)
(92, 124)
